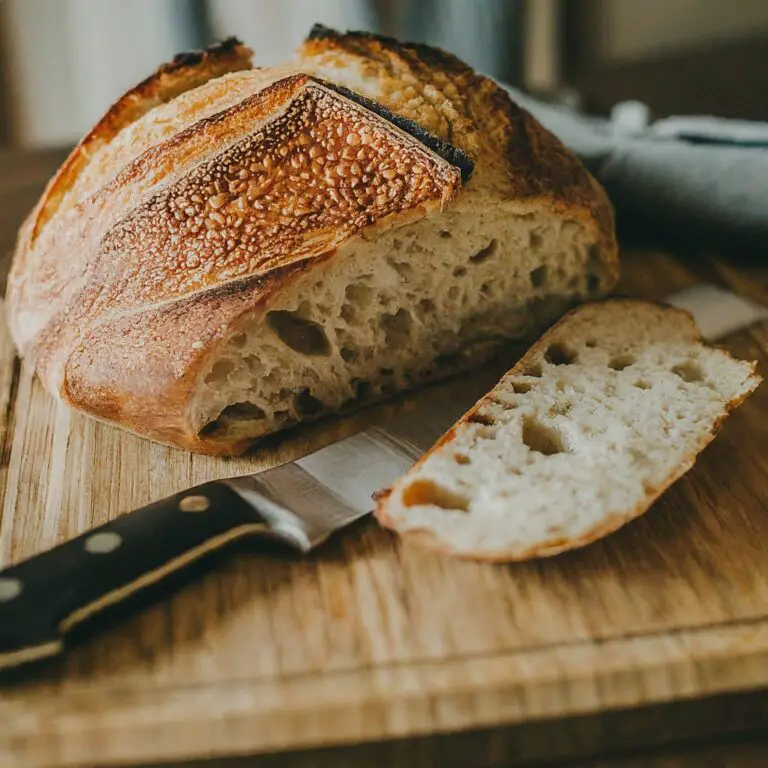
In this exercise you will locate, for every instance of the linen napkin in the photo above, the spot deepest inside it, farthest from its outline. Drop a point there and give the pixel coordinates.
(698, 179)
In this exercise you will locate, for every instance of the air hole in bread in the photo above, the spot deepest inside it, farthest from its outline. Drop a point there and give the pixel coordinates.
(211, 428)
(459, 271)
(485, 289)
(359, 294)
(403, 268)
(348, 355)
(539, 276)
(480, 417)
(445, 234)
(561, 409)
(521, 387)
(427, 306)
(536, 241)
(242, 412)
(620, 362)
(485, 432)
(542, 439)
(461, 458)
(348, 313)
(485, 253)
(557, 354)
(688, 371)
(221, 369)
(642, 384)
(397, 327)
(239, 340)
(237, 412)
(428, 493)
(387, 371)
(533, 370)
(303, 336)
(497, 398)
(307, 404)
(590, 343)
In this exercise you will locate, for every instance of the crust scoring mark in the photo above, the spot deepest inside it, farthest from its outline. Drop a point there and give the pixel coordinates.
(184, 72)
(184, 59)
(323, 166)
(208, 311)
(447, 151)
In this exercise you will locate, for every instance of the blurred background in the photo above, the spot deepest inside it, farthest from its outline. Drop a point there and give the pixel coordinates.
(65, 61)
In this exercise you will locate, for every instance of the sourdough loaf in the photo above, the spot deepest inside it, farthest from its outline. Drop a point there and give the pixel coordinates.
(232, 250)
(608, 409)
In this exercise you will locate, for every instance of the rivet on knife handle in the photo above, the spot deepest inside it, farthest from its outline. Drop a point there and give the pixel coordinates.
(43, 597)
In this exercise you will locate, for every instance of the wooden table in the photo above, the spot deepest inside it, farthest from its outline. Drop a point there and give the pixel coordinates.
(709, 715)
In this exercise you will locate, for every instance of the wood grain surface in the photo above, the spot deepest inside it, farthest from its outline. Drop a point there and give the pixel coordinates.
(730, 753)
(368, 640)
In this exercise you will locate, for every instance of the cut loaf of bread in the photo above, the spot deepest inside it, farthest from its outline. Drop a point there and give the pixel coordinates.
(601, 415)
(233, 250)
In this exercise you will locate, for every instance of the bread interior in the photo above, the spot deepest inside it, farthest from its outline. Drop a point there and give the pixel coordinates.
(385, 314)
(583, 434)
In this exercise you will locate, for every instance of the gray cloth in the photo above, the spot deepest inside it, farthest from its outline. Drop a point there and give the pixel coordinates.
(698, 179)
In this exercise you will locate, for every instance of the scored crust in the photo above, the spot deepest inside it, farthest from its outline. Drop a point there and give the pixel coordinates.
(136, 265)
(514, 154)
(185, 72)
(686, 329)
(112, 298)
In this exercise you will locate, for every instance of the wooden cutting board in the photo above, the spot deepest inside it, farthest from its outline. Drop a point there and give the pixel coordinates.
(368, 640)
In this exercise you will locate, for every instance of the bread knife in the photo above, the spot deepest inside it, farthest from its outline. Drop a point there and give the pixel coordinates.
(299, 504)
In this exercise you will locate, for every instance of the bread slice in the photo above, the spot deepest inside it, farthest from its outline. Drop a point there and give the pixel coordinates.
(234, 250)
(600, 416)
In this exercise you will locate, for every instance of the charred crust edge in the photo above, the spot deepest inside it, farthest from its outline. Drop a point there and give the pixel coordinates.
(193, 58)
(429, 54)
(447, 151)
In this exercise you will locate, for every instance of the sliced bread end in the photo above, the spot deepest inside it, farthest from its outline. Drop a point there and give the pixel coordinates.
(607, 410)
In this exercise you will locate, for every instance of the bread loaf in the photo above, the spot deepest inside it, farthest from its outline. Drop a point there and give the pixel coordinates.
(233, 250)
(607, 410)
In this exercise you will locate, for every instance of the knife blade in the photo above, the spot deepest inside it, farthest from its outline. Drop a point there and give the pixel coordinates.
(299, 504)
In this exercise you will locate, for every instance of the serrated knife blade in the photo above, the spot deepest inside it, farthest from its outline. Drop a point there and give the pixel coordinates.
(300, 504)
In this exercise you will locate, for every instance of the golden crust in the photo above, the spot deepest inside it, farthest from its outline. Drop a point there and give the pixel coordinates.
(185, 72)
(161, 286)
(192, 232)
(159, 353)
(514, 154)
(249, 210)
(426, 539)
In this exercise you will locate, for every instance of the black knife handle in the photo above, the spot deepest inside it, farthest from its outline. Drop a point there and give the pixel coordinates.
(43, 597)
